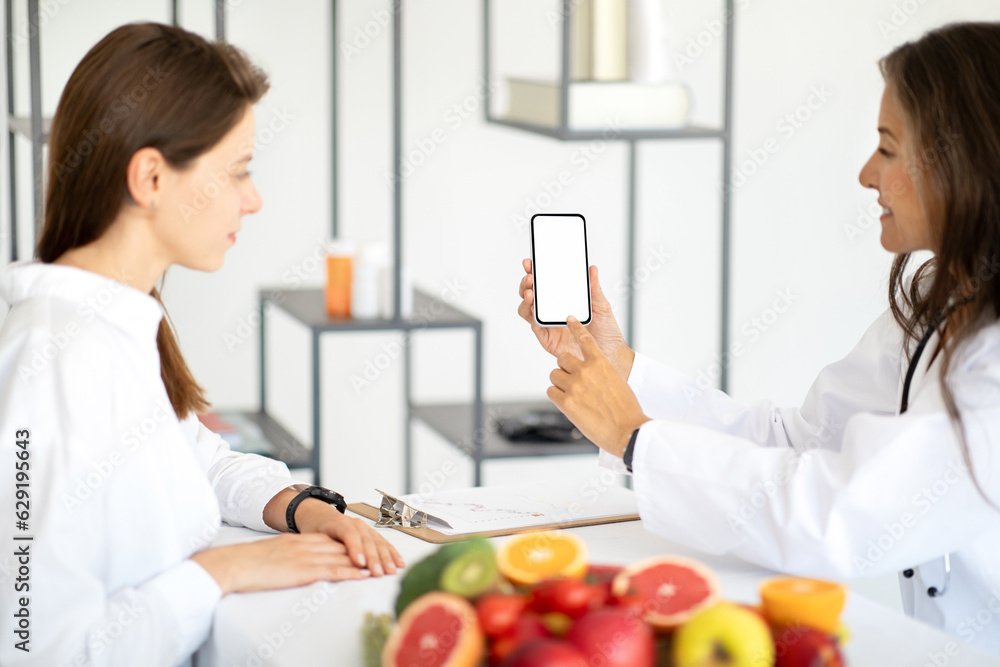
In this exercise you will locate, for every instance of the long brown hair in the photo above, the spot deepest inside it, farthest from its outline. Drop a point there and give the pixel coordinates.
(946, 85)
(143, 85)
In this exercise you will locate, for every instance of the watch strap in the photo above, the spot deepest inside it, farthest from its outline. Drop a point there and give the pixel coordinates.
(630, 450)
(318, 492)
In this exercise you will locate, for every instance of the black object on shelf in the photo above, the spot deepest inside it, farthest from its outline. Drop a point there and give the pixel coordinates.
(454, 422)
(542, 424)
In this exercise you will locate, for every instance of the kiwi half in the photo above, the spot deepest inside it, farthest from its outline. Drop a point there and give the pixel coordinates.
(471, 574)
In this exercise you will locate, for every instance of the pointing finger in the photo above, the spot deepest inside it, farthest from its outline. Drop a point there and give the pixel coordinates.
(587, 343)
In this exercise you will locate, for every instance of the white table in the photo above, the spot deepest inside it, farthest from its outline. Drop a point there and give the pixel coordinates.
(320, 624)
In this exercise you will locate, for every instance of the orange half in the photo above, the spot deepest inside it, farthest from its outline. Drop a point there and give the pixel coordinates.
(798, 601)
(533, 557)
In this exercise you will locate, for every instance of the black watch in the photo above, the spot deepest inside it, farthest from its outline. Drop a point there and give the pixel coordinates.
(326, 495)
(629, 450)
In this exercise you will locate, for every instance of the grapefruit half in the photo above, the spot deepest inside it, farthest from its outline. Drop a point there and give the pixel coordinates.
(436, 630)
(668, 590)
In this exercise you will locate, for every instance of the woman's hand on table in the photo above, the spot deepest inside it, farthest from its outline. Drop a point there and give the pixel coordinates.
(603, 326)
(593, 394)
(365, 545)
(285, 561)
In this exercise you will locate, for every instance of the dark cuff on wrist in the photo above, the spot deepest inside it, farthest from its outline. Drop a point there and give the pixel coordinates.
(318, 492)
(630, 450)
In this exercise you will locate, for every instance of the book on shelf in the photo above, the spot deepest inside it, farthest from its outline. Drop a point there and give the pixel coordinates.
(599, 105)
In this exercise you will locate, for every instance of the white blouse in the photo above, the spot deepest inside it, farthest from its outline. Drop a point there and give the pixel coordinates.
(842, 487)
(121, 493)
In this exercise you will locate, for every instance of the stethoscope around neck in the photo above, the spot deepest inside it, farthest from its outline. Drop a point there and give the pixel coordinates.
(933, 591)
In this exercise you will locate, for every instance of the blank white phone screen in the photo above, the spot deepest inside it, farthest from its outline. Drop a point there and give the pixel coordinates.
(559, 266)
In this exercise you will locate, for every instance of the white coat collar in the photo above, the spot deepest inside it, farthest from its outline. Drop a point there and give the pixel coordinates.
(127, 308)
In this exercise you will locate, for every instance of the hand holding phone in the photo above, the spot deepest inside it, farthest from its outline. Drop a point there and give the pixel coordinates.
(560, 268)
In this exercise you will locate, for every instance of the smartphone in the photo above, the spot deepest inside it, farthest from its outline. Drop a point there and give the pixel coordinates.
(560, 268)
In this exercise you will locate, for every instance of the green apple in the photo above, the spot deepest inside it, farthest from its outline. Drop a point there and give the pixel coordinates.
(725, 635)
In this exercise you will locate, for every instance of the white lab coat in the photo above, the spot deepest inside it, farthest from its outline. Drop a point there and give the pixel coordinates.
(121, 493)
(843, 486)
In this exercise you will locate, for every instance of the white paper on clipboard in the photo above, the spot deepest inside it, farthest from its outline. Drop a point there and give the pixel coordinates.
(479, 509)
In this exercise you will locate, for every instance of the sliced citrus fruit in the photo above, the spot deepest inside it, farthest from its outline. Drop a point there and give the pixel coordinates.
(799, 601)
(532, 557)
(436, 630)
(669, 590)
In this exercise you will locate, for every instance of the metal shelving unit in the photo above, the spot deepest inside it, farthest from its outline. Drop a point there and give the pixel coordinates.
(463, 425)
(565, 133)
(306, 306)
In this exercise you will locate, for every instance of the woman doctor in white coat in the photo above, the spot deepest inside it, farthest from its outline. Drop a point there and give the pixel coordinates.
(119, 485)
(892, 464)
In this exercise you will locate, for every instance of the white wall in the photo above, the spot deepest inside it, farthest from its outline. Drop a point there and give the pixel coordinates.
(789, 217)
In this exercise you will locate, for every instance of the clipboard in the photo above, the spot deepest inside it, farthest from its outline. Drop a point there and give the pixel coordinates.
(437, 537)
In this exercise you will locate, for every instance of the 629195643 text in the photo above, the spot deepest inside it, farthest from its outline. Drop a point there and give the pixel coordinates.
(22, 540)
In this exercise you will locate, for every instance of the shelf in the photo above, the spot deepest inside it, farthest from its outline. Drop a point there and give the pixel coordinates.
(308, 307)
(454, 422)
(22, 125)
(569, 134)
(261, 434)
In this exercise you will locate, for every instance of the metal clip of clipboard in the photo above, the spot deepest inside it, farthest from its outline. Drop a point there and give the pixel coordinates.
(394, 512)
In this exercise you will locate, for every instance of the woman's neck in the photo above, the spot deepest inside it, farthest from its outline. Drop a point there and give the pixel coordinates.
(121, 253)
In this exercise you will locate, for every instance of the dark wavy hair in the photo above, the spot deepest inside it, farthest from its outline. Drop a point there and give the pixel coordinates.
(947, 86)
(143, 84)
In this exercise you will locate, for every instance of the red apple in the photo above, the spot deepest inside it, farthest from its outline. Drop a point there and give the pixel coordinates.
(546, 653)
(498, 613)
(565, 596)
(526, 628)
(806, 647)
(614, 636)
(601, 578)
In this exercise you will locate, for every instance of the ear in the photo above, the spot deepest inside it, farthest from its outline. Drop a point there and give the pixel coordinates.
(144, 176)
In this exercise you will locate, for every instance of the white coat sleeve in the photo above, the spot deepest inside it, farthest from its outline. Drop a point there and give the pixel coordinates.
(866, 380)
(243, 483)
(896, 493)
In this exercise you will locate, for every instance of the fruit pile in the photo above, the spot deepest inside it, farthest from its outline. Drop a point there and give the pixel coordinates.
(537, 603)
